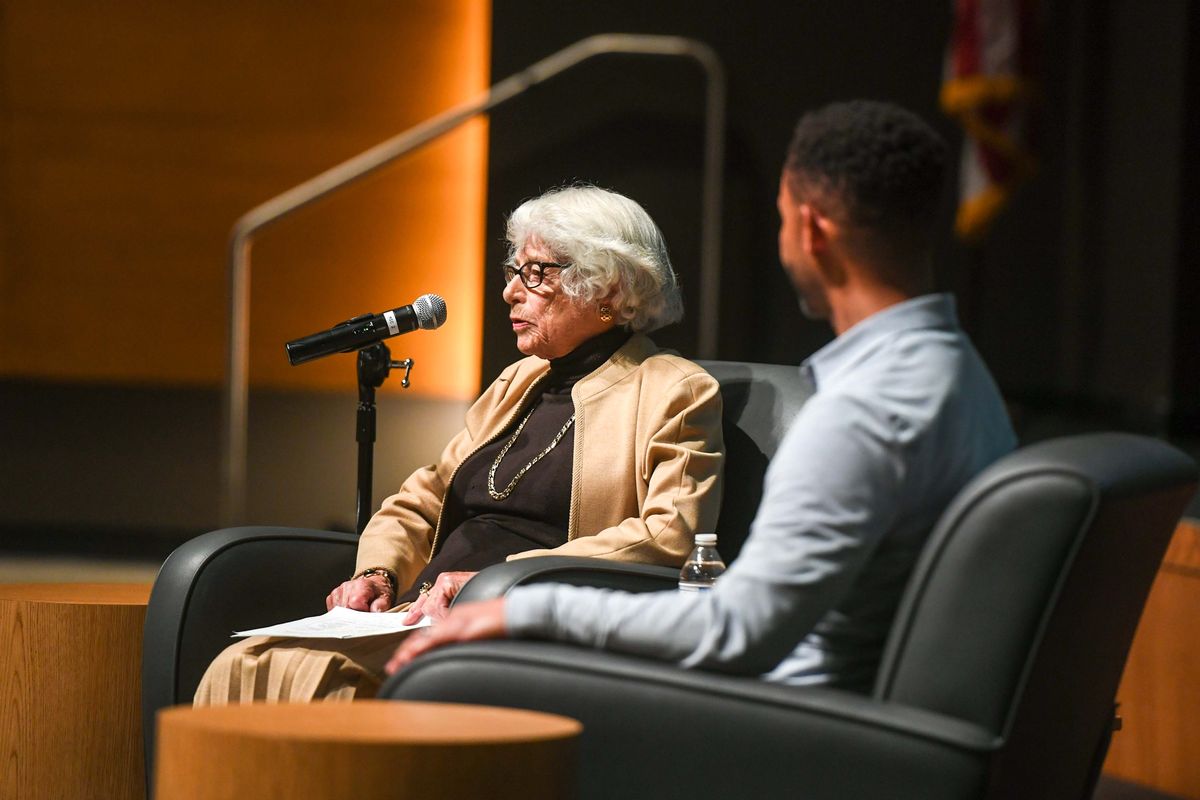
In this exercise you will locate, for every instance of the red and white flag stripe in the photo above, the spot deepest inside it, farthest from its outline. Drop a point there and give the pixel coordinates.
(988, 87)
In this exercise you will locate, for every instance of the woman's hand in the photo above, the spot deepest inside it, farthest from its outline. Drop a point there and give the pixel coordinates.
(371, 593)
(469, 622)
(435, 602)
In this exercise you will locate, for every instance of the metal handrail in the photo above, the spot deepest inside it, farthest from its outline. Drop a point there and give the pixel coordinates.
(236, 396)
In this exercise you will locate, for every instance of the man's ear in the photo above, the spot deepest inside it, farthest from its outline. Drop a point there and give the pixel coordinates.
(822, 238)
(816, 230)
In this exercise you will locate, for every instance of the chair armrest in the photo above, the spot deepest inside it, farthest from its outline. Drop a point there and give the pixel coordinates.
(758, 739)
(498, 580)
(229, 580)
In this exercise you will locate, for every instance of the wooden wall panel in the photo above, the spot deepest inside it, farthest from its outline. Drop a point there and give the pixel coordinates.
(133, 136)
(1159, 744)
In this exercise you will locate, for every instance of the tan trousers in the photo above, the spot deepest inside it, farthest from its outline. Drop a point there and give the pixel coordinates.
(287, 670)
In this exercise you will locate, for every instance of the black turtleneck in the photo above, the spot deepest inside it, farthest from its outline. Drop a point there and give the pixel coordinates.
(477, 530)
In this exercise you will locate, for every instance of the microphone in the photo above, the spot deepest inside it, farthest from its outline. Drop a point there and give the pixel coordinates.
(426, 312)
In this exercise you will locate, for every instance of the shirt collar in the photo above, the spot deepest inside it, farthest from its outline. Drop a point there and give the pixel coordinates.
(926, 311)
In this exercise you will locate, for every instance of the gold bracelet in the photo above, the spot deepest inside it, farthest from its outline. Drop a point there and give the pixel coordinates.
(385, 572)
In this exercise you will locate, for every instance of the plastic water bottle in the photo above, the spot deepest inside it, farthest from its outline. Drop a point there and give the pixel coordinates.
(703, 566)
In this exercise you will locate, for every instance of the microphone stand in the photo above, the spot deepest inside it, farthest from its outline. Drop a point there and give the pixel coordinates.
(374, 364)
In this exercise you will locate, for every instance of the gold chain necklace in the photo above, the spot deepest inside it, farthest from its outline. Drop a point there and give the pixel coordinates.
(521, 472)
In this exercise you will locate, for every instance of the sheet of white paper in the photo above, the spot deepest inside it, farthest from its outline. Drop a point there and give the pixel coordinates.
(340, 623)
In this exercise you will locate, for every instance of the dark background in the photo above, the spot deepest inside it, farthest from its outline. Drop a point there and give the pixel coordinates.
(1081, 299)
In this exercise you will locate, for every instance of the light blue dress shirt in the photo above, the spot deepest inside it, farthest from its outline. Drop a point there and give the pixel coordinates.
(903, 415)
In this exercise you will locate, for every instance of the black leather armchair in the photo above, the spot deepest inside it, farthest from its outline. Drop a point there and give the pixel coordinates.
(214, 584)
(998, 678)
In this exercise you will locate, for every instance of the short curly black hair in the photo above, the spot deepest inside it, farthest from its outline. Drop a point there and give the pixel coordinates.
(879, 165)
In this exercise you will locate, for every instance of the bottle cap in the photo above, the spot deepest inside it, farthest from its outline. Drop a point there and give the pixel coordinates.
(706, 539)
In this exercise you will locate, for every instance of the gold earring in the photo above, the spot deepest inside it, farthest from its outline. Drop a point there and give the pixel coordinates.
(606, 314)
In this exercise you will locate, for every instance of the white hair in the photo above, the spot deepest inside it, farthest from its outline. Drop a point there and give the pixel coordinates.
(612, 245)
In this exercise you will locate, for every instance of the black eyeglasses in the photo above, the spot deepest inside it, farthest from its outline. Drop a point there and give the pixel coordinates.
(531, 272)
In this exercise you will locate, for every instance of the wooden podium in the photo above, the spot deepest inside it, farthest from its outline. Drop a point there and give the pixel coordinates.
(368, 748)
(70, 690)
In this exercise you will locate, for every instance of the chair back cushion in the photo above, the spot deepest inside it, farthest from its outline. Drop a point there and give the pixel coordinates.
(1023, 605)
(760, 401)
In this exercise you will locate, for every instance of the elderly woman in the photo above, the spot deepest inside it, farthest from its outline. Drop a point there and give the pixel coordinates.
(595, 444)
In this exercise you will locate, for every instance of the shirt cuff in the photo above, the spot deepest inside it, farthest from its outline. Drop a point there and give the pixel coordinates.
(527, 611)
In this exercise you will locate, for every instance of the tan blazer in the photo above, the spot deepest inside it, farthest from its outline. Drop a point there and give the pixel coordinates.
(646, 473)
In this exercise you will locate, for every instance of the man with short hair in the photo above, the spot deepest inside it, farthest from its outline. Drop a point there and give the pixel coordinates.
(903, 415)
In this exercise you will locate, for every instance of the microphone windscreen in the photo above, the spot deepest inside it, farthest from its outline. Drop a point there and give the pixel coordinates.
(430, 310)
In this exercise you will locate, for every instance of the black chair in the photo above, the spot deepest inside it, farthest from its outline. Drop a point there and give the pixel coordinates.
(997, 681)
(241, 578)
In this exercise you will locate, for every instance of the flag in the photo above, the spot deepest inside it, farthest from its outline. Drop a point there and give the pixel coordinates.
(989, 88)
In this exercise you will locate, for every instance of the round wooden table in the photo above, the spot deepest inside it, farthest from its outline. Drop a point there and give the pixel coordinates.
(369, 748)
(70, 690)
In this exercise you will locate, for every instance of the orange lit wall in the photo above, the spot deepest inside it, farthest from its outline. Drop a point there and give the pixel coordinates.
(132, 135)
